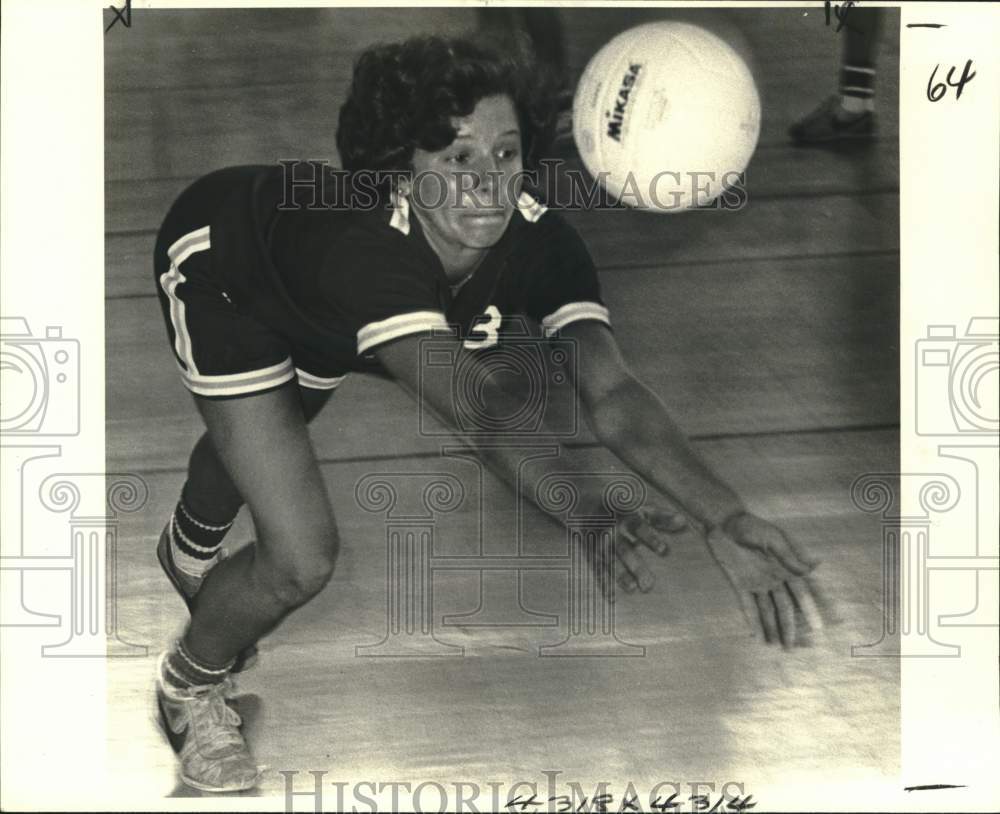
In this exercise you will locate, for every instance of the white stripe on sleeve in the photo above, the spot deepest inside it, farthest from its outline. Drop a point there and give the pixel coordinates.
(376, 333)
(574, 312)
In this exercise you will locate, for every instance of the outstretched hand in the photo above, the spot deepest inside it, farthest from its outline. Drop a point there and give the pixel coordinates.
(774, 580)
(649, 527)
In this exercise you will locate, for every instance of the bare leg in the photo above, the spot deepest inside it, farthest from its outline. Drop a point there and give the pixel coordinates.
(209, 491)
(262, 444)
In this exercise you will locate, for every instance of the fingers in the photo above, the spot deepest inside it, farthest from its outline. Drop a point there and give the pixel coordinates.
(634, 565)
(813, 602)
(809, 617)
(749, 608)
(625, 567)
(626, 581)
(630, 571)
(663, 520)
(775, 615)
(827, 608)
(785, 612)
(636, 530)
(649, 537)
(653, 528)
(774, 601)
(768, 617)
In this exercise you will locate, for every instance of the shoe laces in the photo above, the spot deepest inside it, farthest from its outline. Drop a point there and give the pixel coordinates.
(219, 723)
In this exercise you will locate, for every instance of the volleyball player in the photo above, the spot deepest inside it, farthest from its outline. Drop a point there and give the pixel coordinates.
(268, 307)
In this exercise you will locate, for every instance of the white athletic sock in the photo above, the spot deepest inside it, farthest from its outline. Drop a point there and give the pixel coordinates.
(856, 105)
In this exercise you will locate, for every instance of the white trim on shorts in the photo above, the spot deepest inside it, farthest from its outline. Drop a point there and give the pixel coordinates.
(197, 241)
(574, 312)
(375, 333)
(229, 384)
(313, 382)
(180, 250)
(239, 384)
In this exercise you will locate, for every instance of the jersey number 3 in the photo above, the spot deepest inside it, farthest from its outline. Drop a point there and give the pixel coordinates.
(485, 332)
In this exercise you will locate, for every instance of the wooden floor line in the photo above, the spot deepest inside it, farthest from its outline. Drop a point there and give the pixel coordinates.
(789, 196)
(847, 149)
(421, 456)
(240, 86)
(155, 179)
(722, 261)
(833, 192)
(774, 258)
(188, 179)
(726, 436)
(149, 232)
(846, 192)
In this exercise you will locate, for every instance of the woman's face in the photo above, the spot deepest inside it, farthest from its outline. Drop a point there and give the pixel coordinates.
(465, 194)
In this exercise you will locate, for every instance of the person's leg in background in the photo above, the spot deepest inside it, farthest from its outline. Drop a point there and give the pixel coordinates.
(850, 113)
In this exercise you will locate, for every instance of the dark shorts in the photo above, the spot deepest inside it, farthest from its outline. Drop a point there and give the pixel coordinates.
(221, 351)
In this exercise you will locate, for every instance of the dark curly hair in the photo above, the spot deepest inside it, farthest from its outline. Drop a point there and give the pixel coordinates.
(404, 95)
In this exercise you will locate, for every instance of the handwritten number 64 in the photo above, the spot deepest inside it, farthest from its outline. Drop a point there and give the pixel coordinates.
(937, 92)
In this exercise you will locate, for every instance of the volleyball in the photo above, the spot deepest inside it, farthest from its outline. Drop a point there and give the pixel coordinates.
(666, 116)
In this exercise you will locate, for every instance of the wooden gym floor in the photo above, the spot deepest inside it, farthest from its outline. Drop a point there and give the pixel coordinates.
(771, 333)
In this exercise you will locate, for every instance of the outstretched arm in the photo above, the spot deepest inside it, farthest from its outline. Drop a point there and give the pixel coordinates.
(632, 421)
(432, 385)
(769, 573)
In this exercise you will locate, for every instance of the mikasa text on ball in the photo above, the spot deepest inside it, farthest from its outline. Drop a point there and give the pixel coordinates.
(666, 116)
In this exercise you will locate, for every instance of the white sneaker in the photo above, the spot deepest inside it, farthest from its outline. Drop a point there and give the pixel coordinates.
(204, 731)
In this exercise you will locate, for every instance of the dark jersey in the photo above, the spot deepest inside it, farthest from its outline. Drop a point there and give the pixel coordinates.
(340, 283)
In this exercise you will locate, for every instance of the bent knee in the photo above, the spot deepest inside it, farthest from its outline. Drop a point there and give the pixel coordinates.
(299, 576)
